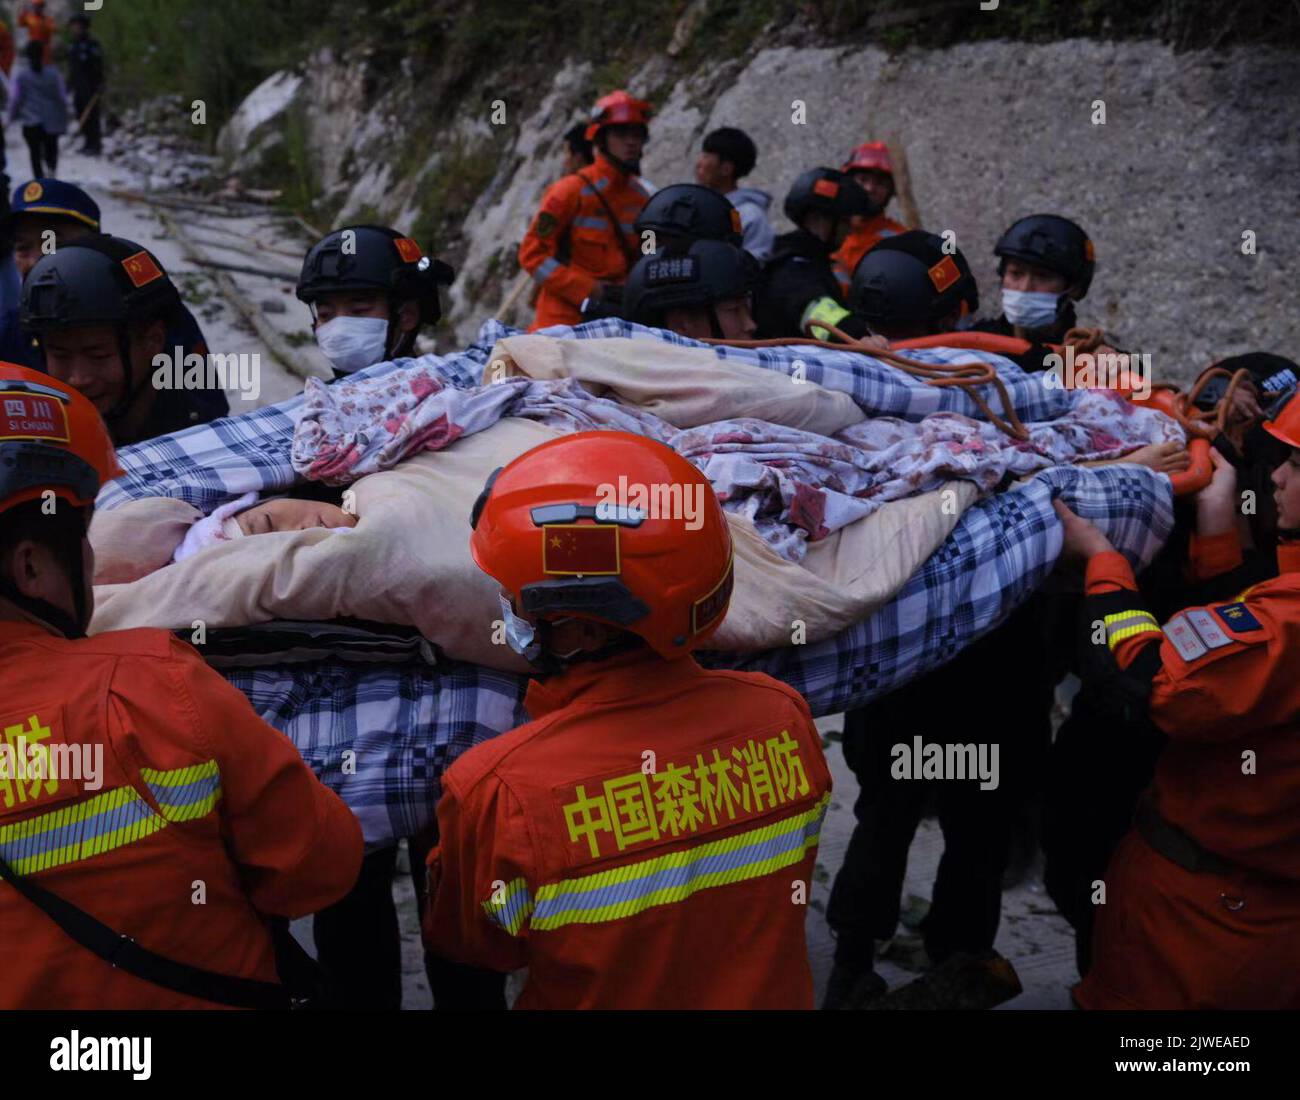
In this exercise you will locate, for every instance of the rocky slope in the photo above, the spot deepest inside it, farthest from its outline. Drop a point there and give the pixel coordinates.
(1196, 160)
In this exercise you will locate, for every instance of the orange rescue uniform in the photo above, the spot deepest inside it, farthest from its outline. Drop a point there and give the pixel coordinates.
(1227, 693)
(571, 245)
(860, 240)
(40, 28)
(194, 788)
(647, 841)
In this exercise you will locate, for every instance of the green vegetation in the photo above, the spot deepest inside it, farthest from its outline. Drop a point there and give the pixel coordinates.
(1186, 24)
(213, 50)
(446, 193)
(218, 50)
(289, 166)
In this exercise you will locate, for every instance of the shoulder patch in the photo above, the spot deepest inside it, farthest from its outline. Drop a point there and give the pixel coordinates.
(1238, 618)
(546, 223)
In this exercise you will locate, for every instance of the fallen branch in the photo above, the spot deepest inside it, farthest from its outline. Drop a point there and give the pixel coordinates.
(276, 344)
(282, 276)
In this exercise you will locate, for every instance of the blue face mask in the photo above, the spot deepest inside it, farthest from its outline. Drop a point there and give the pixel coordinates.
(1030, 308)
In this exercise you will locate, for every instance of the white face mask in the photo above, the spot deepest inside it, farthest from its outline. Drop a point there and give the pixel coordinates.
(351, 343)
(1030, 308)
(520, 634)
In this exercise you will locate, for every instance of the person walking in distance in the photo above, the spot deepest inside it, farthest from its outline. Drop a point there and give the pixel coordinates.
(39, 101)
(86, 75)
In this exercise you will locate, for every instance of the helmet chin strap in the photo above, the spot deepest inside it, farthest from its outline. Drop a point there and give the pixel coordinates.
(550, 663)
(128, 388)
(627, 167)
(714, 324)
(398, 344)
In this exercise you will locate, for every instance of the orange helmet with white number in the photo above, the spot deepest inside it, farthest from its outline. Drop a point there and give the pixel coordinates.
(51, 437)
(611, 527)
(618, 109)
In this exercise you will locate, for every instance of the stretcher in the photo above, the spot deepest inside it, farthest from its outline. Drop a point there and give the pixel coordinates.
(403, 720)
(1168, 399)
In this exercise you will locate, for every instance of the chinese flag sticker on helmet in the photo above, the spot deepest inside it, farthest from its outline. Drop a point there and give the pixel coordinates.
(571, 549)
(944, 274)
(408, 250)
(141, 269)
(828, 188)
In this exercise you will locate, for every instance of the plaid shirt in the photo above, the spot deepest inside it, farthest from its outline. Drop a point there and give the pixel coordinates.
(405, 724)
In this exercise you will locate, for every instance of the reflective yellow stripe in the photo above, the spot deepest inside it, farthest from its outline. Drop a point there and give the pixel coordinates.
(1125, 624)
(514, 908)
(636, 887)
(109, 820)
(186, 793)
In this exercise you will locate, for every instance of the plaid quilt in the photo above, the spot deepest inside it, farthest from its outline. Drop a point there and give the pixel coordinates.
(403, 724)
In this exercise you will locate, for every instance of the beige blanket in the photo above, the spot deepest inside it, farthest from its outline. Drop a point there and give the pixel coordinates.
(407, 560)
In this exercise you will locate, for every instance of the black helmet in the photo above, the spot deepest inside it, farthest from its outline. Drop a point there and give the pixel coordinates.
(98, 280)
(1049, 241)
(828, 191)
(909, 279)
(374, 258)
(704, 274)
(1273, 375)
(687, 212)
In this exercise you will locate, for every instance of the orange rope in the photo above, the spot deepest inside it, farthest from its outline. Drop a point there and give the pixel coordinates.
(976, 372)
(968, 375)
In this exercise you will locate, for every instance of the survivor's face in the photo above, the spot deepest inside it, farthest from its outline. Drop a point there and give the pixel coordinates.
(878, 185)
(30, 237)
(625, 142)
(1023, 276)
(292, 515)
(1286, 492)
(351, 303)
(710, 171)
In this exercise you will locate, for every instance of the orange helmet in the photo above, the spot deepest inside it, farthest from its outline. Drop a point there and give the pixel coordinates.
(617, 109)
(1285, 424)
(51, 437)
(611, 527)
(874, 155)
